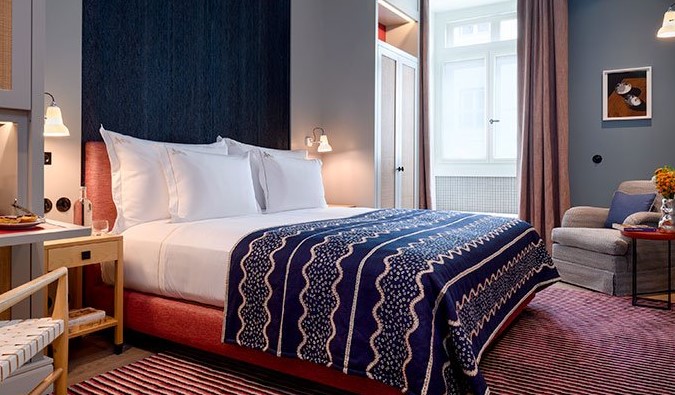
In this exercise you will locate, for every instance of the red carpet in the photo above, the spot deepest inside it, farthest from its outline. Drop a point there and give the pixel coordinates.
(575, 342)
(174, 374)
(565, 342)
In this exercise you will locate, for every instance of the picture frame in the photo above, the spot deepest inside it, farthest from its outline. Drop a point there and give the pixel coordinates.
(627, 94)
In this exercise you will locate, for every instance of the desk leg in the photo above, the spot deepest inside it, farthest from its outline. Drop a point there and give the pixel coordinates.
(635, 271)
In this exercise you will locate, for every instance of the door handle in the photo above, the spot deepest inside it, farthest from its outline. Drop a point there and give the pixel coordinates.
(400, 168)
(493, 121)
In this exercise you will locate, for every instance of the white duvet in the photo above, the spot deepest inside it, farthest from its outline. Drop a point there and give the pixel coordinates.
(189, 260)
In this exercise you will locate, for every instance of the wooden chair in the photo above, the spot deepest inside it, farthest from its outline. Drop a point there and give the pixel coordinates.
(21, 340)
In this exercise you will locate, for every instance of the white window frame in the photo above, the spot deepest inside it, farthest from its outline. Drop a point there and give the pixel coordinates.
(487, 51)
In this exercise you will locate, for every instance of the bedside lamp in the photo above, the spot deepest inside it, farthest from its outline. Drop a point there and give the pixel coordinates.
(324, 146)
(668, 28)
(54, 126)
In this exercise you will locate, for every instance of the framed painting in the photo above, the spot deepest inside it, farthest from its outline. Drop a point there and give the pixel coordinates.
(627, 94)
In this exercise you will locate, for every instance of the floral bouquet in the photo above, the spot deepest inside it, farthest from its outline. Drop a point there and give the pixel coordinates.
(664, 179)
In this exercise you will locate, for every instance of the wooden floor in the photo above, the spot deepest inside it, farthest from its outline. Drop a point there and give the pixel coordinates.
(93, 354)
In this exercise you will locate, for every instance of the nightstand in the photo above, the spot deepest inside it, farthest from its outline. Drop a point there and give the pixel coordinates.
(655, 235)
(82, 251)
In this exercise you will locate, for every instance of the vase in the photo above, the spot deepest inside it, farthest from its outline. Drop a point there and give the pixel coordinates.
(666, 223)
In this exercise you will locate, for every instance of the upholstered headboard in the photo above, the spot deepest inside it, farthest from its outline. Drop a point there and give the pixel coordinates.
(187, 71)
(97, 179)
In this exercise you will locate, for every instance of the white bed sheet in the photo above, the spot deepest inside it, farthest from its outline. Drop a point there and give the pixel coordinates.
(189, 260)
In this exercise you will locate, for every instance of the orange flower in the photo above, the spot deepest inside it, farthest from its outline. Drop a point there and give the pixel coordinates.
(664, 180)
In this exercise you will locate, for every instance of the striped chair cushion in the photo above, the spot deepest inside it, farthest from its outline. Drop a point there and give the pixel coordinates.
(21, 340)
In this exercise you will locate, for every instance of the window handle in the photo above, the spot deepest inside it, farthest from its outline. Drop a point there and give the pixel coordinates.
(493, 121)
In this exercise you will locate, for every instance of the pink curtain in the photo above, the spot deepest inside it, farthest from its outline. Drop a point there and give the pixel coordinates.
(424, 144)
(543, 113)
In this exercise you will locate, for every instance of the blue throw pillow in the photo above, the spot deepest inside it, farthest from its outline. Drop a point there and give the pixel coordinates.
(624, 205)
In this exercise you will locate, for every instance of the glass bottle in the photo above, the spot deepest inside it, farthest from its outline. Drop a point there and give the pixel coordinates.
(83, 209)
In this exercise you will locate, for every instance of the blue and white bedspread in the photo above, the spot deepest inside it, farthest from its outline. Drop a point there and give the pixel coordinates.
(407, 297)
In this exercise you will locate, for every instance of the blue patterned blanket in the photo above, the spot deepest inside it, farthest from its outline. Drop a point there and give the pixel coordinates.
(407, 297)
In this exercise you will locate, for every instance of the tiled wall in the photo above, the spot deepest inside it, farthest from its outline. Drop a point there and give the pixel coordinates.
(478, 194)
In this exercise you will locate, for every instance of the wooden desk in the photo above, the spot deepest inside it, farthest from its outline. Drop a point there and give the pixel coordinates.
(14, 274)
(51, 230)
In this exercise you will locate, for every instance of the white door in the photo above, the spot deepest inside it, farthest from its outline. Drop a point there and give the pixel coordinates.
(396, 137)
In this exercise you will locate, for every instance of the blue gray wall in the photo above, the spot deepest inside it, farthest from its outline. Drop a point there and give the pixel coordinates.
(614, 34)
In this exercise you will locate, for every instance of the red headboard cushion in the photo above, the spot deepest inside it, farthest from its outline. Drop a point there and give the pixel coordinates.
(97, 179)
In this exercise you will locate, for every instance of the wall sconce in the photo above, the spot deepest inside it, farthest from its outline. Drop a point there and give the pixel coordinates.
(322, 141)
(54, 126)
(668, 28)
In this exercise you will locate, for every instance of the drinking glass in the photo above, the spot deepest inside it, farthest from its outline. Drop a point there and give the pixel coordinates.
(99, 227)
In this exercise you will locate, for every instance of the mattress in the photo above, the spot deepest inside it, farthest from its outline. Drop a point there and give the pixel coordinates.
(190, 260)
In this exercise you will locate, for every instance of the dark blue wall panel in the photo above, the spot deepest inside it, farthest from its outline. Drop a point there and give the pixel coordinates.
(186, 71)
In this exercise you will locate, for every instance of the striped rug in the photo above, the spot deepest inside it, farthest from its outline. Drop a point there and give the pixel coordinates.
(173, 374)
(576, 342)
(565, 342)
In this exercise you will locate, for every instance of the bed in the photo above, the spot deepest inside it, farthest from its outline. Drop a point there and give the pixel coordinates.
(163, 305)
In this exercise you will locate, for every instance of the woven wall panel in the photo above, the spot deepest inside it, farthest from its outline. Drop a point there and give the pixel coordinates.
(6, 44)
(187, 71)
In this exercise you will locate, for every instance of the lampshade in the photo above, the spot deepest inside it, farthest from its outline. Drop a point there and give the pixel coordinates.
(668, 28)
(323, 144)
(54, 126)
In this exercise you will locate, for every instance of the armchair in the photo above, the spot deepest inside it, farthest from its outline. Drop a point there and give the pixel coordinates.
(591, 256)
(21, 340)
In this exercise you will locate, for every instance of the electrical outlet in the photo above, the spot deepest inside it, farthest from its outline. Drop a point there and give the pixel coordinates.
(48, 158)
(63, 204)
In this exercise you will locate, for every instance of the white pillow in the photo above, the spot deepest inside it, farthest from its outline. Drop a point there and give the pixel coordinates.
(138, 185)
(237, 148)
(208, 185)
(291, 183)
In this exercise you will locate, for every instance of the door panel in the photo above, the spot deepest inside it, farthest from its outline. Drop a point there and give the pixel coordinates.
(387, 132)
(408, 135)
(15, 53)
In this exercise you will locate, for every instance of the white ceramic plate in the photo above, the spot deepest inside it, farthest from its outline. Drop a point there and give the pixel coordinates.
(22, 225)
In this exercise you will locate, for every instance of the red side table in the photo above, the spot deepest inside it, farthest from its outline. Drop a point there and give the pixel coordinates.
(641, 235)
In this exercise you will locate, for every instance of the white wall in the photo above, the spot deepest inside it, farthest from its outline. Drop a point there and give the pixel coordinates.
(306, 74)
(63, 79)
(333, 85)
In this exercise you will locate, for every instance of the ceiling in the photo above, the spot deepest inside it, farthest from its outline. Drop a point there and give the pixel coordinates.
(451, 5)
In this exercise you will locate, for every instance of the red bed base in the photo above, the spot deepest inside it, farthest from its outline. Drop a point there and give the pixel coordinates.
(193, 324)
(200, 326)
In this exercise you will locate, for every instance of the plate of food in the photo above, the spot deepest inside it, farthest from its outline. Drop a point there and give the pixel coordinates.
(9, 222)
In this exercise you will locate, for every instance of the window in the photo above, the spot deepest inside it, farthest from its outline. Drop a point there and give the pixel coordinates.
(469, 34)
(475, 96)
(463, 109)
